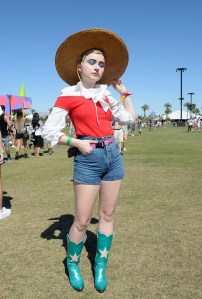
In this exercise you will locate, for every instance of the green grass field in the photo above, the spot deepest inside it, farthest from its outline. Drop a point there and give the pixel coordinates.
(156, 252)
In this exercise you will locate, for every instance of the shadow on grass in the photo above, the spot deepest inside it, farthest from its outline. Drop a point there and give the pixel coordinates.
(59, 230)
(6, 200)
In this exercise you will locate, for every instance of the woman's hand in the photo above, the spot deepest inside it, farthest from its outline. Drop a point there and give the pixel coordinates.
(1, 158)
(118, 86)
(84, 146)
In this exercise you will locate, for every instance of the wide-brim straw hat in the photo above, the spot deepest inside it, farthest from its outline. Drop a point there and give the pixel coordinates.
(113, 47)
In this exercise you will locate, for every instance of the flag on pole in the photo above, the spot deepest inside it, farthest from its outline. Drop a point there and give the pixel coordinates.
(22, 92)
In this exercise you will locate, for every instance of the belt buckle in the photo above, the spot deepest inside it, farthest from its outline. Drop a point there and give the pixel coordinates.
(100, 144)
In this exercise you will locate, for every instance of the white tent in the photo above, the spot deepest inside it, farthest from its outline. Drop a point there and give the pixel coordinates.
(177, 115)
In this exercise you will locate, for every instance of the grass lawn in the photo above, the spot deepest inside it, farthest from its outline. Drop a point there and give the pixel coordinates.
(156, 252)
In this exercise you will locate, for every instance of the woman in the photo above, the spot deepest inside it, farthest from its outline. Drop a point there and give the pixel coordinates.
(37, 126)
(21, 135)
(4, 212)
(139, 127)
(125, 137)
(98, 165)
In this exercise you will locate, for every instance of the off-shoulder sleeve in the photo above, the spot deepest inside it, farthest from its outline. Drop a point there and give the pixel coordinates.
(53, 126)
(120, 115)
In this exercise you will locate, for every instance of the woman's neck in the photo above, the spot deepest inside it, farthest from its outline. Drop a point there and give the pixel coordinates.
(88, 84)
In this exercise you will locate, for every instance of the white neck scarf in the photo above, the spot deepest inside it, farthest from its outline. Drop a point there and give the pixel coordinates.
(97, 94)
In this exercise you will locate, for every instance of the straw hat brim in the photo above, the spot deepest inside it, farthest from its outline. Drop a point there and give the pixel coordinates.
(69, 52)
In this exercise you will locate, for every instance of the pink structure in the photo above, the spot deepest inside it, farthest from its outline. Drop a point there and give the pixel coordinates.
(13, 103)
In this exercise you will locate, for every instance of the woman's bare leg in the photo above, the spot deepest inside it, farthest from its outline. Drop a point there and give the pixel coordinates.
(1, 192)
(18, 144)
(109, 193)
(85, 197)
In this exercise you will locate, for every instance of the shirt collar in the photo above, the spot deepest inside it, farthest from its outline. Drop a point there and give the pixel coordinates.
(97, 94)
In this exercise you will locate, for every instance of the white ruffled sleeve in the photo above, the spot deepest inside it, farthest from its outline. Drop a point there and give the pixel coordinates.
(120, 115)
(55, 123)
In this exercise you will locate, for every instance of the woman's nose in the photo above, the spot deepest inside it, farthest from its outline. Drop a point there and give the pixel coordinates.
(97, 68)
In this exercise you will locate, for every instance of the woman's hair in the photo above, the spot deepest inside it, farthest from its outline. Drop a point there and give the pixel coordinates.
(3, 107)
(35, 120)
(20, 121)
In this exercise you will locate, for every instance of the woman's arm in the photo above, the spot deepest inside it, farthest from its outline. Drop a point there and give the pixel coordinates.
(127, 103)
(1, 150)
(56, 122)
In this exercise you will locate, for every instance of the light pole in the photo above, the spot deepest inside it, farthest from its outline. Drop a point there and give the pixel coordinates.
(191, 94)
(181, 99)
(181, 69)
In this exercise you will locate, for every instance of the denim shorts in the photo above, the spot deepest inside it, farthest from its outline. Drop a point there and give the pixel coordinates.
(6, 141)
(102, 164)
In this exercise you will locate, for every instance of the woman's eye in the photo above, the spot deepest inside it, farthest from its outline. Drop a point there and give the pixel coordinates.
(91, 61)
(101, 64)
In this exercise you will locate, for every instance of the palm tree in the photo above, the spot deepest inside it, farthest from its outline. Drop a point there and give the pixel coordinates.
(168, 109)
(187, 105)
(190, 107)
(196, 111)
(145, 107)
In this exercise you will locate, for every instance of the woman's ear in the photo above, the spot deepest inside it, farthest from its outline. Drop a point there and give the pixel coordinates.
(79, 71)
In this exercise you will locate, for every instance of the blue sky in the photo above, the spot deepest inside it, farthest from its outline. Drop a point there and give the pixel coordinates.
(160, 35)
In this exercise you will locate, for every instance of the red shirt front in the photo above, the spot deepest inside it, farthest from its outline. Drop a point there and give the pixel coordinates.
(88, 118)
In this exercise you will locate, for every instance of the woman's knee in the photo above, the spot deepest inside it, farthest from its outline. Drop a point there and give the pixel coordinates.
(81, 224)
(107, 216)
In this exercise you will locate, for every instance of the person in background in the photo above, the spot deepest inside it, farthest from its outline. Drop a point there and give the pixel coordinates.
(198, 124)
(4, 212)
(38, 141)
(150, 125)
(118, 134)
(12, 135)
(156, 125)
(50, 150)
(195, 124)
(72, 130)
(190, 125)
(139, 125)
(5, 127)
(89, 61)
(125, 136)
(21, 134)
(132, 130)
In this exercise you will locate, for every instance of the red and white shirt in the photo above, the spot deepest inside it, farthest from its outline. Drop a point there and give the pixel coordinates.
(91, 112)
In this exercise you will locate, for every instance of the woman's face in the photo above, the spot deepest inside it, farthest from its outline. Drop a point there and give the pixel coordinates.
(92, 67)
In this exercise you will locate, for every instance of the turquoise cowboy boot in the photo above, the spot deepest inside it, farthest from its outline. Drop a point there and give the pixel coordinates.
(73, 259)
(101, 258)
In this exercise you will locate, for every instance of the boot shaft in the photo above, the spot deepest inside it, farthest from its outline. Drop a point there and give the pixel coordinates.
(103, 248)
(74, 250)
